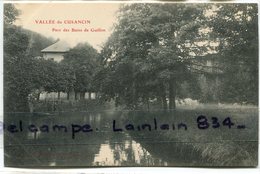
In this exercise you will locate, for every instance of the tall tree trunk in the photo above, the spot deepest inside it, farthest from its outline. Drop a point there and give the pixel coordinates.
(68, 95)
(148, 104)
(164, 103)
(38, 96)
(134, 98)
(172, 94)
(163, 97)
(82, 95)
(89, 95)
(58, 95)
(76, 95)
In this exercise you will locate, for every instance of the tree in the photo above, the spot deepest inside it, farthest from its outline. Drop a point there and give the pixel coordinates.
(236, 27)
(10, 14)
(83, 60)
(17, 80)
(147, 55)
(22, 71)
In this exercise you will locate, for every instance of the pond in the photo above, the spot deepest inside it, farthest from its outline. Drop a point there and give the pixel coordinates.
(91, 139)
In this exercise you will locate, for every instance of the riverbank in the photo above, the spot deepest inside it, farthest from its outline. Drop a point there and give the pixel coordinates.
(226, 145)
(216, 139)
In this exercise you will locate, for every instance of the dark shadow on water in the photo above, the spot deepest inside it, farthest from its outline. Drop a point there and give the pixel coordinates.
(104, 147)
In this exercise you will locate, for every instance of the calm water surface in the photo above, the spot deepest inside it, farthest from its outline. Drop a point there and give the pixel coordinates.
(103, 147)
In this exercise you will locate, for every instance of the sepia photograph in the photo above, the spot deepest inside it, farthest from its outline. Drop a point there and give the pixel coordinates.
(130, 84)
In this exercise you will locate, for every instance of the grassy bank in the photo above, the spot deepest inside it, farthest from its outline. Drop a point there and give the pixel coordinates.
(222, 146)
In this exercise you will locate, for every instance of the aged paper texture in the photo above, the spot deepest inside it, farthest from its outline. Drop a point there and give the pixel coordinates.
(130, 84)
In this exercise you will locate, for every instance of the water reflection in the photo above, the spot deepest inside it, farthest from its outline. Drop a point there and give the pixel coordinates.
(103, 147)
(52, 164)
(33, 136)
(128, 152)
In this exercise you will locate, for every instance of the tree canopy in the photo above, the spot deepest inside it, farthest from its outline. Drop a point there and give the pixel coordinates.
(236, 27)
(10, 14)
(147, 56)
(23, 71)
(83, 60)
(152, 50)
(157, 52)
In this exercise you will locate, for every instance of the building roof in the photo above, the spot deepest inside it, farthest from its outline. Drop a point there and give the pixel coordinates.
(59, 46)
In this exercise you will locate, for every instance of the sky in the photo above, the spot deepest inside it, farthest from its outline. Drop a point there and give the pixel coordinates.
(43, 18)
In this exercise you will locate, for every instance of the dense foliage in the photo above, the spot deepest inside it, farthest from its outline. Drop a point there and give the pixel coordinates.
(83, 62)
(152, 55)
(152, 50)
(236, 27)
(147, 57)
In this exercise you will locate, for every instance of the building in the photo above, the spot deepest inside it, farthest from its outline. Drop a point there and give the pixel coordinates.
(56, 51)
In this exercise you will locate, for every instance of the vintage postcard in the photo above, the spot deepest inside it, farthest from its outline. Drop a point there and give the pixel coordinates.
(130, 84)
